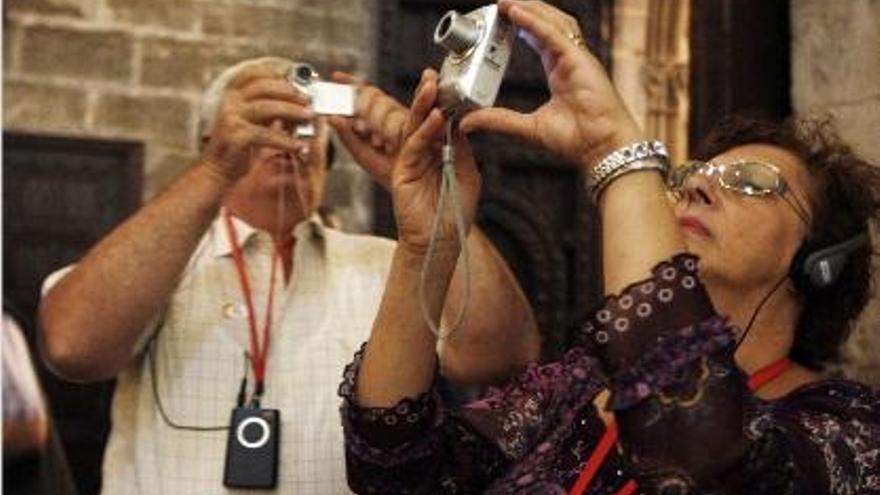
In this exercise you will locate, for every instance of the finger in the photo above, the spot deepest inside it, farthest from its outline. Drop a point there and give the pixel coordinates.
(264, 111)
(365, 155)
(393, 128)
(501, 120)
(250, 74)
(423, 101)
(387, 117)
(278, 89)
(345, 78)
(361, 127)
(366, 98)
(425, 136)
(273, 138)
(548, 37)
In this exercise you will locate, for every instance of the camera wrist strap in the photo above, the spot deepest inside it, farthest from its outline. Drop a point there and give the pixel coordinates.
(448, 191)
(259, 352)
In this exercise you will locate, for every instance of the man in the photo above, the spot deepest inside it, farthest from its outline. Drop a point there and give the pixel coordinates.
(227, 290)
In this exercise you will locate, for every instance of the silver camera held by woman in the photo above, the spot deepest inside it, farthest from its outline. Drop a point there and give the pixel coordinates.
(479, 45)
(328, 98)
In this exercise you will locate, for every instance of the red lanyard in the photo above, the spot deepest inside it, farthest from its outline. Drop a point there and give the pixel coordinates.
(609, 438)
(259, 354)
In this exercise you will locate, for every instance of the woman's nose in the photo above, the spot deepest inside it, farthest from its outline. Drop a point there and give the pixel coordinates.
(699, 189)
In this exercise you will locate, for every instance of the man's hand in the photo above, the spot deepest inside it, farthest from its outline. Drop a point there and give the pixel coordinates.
(255, 99)
(381, 123)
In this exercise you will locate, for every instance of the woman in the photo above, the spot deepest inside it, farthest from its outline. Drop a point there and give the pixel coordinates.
(691, 416)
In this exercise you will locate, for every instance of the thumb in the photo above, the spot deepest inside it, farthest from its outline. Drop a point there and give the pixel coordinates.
(501, 120)
(370, 159)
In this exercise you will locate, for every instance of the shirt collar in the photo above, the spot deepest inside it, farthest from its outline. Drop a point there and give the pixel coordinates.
(310, 228)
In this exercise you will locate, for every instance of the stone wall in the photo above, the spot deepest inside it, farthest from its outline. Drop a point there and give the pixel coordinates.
(134, 70)
(836, 69)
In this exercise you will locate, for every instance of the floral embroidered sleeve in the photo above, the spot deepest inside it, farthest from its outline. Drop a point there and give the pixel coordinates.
(488, 446)
(688, 422)
(416, 447)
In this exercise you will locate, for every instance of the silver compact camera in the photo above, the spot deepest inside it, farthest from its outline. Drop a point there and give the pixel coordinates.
(479, 45)
(328, 98)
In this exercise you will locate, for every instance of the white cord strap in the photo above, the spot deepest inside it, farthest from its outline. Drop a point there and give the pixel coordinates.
(448, 190)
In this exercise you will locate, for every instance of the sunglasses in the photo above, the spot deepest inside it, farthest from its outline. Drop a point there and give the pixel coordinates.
(746, 177)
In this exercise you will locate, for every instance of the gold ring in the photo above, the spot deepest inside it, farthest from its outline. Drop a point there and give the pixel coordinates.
(577, 39)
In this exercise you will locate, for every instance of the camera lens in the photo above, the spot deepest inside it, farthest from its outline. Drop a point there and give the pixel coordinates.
(304, 74)
(457, 33)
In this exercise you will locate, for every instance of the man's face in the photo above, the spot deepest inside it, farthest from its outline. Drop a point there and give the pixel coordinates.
(297, 179)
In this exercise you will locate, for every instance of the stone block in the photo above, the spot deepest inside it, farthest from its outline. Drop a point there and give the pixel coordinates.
(857, 123)
(276, 25)
(43, 107)
(225, 56)
(835, 55)
(11, 38)
(165, 14)
(348, 34)
(174, 63)
(159, 119)
(76, 9)
(88, 55)
(162, 167)
(216, 19)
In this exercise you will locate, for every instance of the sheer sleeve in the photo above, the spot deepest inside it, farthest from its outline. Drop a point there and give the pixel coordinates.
(416, 447)
(687, 420)
(511, 440)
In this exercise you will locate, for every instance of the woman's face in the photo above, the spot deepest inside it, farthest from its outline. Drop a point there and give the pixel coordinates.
(745, 242)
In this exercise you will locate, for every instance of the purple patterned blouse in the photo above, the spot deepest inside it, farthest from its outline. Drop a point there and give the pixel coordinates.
(688, 423)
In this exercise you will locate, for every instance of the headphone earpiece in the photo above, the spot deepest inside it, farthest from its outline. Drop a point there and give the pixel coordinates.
(820, 268)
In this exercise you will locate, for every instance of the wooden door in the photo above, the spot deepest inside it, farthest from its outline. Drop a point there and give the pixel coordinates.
(60, 196)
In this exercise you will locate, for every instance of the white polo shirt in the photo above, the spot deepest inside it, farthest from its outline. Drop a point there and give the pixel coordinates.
(321, 319)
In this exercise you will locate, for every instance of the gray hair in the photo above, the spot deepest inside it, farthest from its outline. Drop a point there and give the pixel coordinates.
(213, 96)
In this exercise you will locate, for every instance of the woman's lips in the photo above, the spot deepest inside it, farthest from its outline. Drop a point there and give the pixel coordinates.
(695, 226)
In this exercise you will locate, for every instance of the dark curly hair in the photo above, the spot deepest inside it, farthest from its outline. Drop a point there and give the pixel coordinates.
(844, 201)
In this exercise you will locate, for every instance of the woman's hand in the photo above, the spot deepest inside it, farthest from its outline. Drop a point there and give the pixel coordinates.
(585, 119)
(417, 173)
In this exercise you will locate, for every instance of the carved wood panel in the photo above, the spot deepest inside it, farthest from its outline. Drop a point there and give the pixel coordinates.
(60, 196)
(531, 206)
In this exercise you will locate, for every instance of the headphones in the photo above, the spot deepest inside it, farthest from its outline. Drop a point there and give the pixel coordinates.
(818, 269)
